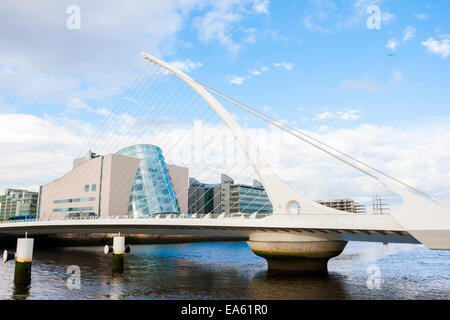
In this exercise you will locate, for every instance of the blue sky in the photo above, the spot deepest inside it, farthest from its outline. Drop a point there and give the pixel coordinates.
(314, 63)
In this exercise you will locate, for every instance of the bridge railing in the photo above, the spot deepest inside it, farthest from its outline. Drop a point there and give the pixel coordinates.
(158, 216)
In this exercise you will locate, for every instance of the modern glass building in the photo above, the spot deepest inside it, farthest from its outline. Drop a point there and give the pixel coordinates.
(152, 191)
(228, 197)
(249, 199)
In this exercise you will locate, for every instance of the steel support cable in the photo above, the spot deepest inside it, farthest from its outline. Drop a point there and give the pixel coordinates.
(131, 105)
(147, 86)
(214, 172)
(160, 109)
(86, 175)
(212, 113)
(124, 104)
(249, 190)
(101, 127)
(285, 128)
(259, 197)
(242, 170)
(138, 112)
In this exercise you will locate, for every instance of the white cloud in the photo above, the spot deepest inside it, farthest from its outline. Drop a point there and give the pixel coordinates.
(408, 33)
(439, 47)
(421, 16)
(99, 60)
(387, 17)
(75, 104)
(219, 22)
(218, 25)
(261, 6)
(285, 65)
(240, 79)
(392, 44)
(5, 107)
(339, 115)
(366, 85)
(186, 66)
(259, 71)
(36, 150)
(397, 77)
(328, 16)
(424, 150)
(237, 80)
(363, 84)
(91, 63)
(250, 35)
(267, 109)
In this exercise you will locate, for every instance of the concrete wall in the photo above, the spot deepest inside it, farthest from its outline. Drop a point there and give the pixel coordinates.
(180, 181)
(113, 186)
(118, 174)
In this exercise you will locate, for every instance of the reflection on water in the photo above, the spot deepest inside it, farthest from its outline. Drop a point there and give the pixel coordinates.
(229, 271)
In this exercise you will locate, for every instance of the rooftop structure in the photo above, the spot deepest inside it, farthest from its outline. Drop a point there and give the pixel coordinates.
(347, 205)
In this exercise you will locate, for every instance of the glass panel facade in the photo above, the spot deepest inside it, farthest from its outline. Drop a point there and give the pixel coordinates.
(86, 188)
(152, 190)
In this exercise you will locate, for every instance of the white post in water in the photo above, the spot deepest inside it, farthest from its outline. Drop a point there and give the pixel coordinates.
(118, 250)
(24, 258)
(119, 245)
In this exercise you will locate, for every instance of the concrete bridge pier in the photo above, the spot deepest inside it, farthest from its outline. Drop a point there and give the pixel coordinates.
(118, 252)
(296, 253)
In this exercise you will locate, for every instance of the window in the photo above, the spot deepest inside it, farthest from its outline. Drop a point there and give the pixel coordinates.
(93, 187)
(86, 188)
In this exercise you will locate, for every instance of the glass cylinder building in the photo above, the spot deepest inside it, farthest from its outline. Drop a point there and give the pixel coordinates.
(152, 190)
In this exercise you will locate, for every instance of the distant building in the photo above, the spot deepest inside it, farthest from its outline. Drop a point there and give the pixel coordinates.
(135, 181)
(16, 202)
(347, 205)
(228, 197)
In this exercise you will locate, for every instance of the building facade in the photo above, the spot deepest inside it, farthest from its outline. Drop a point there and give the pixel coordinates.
(17, 202)
(134, 181)
(153, 191)
(347, 205)
(228, 197)
(99, 187)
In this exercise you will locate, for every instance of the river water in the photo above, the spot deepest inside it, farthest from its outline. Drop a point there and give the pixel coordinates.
(229, 270)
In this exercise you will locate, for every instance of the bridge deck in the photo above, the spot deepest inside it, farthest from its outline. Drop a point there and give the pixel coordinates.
(350, 227)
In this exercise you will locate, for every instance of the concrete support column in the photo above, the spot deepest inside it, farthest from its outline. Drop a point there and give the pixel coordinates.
(119, 245)
(24, 258)
(296, 252)
(118, 253)
(118, 250)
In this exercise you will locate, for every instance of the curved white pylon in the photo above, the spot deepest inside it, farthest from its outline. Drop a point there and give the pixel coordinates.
(426, 220)
(280, 194)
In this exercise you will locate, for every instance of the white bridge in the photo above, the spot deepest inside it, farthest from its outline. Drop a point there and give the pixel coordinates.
(315, 232)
